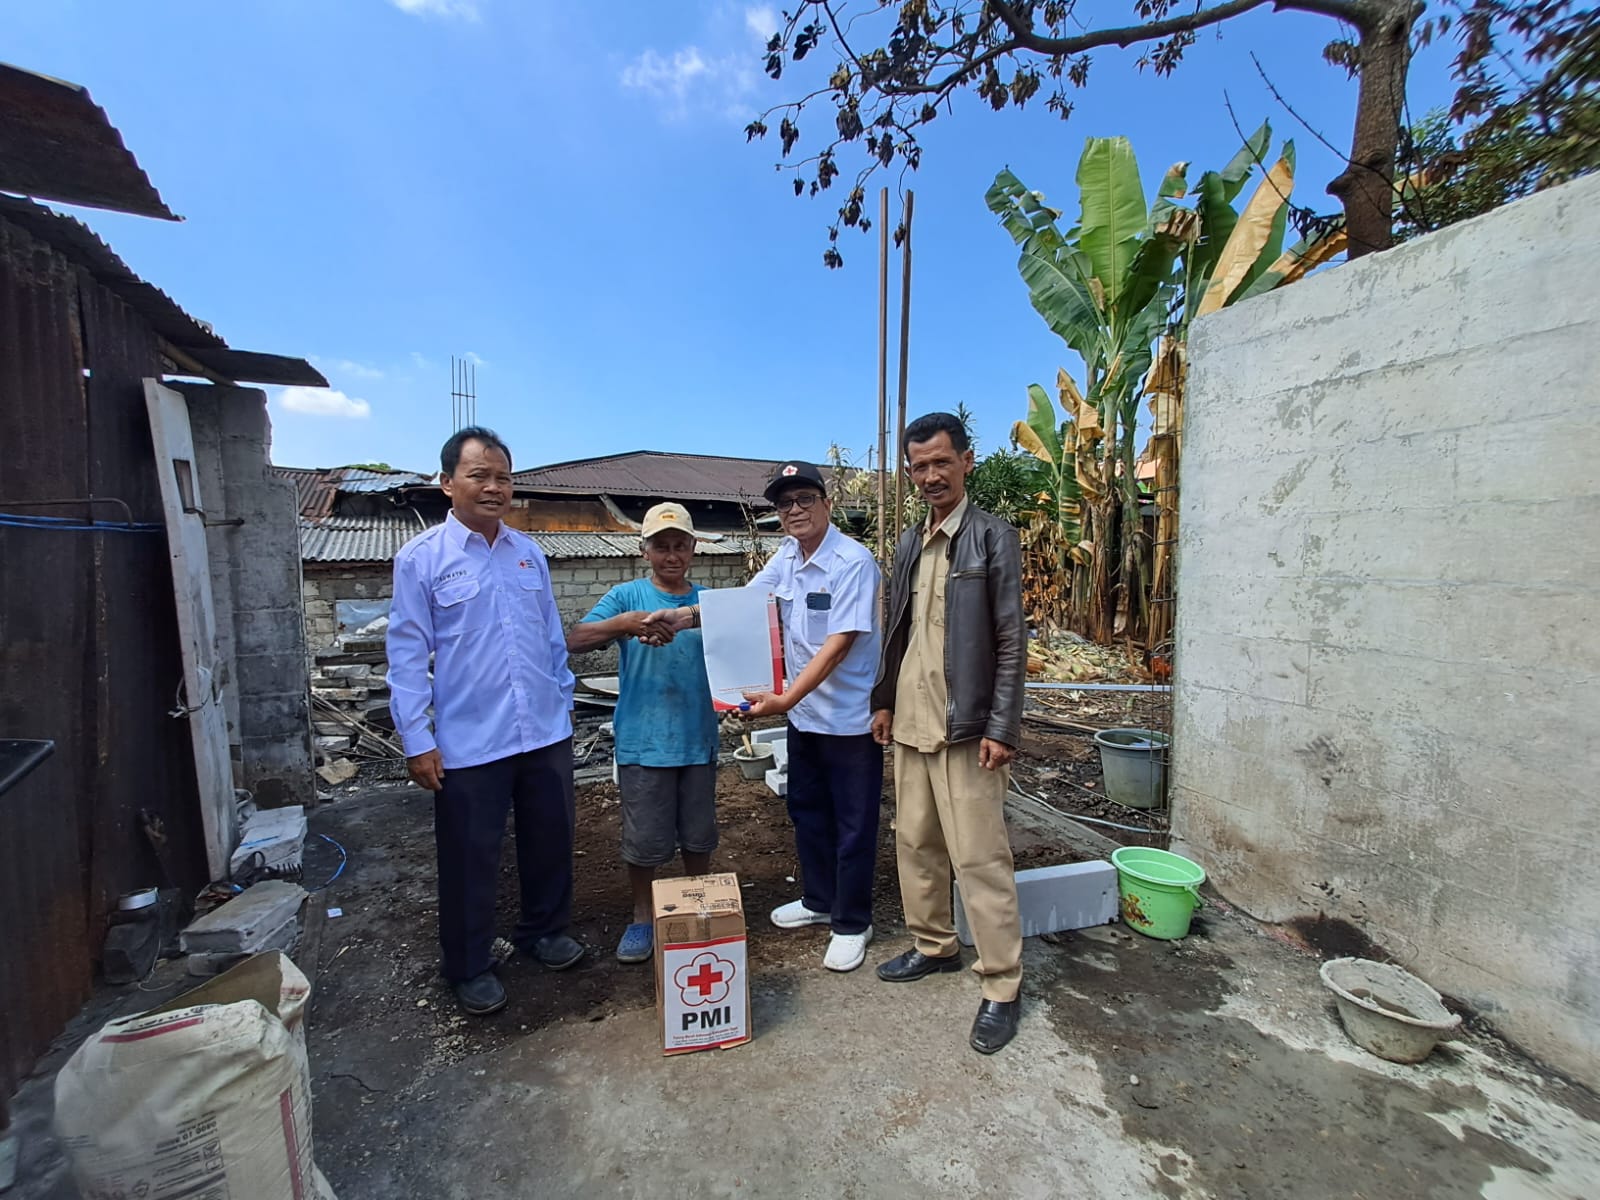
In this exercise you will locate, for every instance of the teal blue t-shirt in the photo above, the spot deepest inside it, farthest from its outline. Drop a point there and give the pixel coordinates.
(664, 714)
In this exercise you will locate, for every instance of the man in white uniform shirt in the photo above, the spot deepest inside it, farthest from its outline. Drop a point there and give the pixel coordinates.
(473, 595)
(827, 590)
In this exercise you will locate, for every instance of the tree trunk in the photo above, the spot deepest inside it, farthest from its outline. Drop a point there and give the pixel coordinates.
(1366, 186)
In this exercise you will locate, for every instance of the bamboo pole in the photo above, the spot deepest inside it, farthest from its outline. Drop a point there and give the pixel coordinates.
(905, 359)
(883, 377)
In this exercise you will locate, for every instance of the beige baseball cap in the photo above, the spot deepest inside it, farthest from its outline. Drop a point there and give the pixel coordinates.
(666, 516)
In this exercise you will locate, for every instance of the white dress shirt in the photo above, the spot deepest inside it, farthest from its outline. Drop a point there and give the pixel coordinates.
(487, 617)
(834, 591)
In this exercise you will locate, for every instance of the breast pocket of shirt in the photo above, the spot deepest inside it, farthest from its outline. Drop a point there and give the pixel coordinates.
(819, 611)
(966, 585)
(530, 594)
(457, 608)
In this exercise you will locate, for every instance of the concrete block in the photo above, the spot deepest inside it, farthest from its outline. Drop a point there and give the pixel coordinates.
(1069, 896)
(778, 781)
(347, 671)
(215, 962)
(335, 743)
(243, 924)
(337, 771)
(351, 694)
(277, 834)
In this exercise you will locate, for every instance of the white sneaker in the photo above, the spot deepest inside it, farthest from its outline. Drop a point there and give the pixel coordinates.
(795, 915)
(847, 951)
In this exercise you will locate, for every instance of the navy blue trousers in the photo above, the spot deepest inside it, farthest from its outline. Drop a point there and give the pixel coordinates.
(469, 824)
(835, 788)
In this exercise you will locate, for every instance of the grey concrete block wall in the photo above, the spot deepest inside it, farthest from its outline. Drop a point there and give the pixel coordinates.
(255, 570)
(1388, 640)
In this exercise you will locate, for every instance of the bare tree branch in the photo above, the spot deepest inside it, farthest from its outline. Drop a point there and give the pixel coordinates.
(1024, 37)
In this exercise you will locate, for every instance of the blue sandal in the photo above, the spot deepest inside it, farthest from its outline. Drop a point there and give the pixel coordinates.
(637, 944)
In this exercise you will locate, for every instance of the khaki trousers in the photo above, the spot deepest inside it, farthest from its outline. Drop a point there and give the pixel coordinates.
(950, 816)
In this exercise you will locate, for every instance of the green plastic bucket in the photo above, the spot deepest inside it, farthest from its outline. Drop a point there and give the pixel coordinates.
(1160, 890)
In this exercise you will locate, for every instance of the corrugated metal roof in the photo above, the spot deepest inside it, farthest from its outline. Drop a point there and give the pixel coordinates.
(560, 545)
(659, 474)
(378, 538)
(251, 366)
(56, 142)
(357, 479)
(80, 245)
(358, 539)
(315, 488)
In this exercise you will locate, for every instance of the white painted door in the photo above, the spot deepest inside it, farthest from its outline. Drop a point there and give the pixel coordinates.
(197, 625)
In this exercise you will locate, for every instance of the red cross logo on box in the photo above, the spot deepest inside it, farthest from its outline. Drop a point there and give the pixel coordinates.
(705, 980)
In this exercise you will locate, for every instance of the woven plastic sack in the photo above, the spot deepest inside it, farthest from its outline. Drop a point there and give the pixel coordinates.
(205, 1098)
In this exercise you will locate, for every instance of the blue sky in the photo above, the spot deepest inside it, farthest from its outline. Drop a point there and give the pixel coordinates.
(563, 193)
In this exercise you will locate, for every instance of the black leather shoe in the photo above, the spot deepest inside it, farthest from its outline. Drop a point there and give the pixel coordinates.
(914, 964)
(480, 995)
(557, 951)
(996, 1024)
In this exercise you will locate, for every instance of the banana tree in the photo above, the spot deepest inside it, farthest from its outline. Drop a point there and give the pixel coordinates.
(1104, 287)
(1120, 288)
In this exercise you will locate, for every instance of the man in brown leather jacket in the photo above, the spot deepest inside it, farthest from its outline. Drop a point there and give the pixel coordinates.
(949, 696)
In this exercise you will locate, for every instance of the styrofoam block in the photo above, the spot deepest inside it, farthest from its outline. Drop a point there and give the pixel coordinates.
(1068, 896)
(279, 834)
(778, 781)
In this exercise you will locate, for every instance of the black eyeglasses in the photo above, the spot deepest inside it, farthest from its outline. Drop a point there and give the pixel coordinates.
(804, 500)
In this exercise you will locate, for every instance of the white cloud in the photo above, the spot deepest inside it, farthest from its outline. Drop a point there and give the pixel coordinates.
(720, 79)
(691, 81)
(761, 21)
(350, 368)
(323, 402)
(475, 359)
(466, 10)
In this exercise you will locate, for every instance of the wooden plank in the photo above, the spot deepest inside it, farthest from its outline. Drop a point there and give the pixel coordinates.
(184, 508)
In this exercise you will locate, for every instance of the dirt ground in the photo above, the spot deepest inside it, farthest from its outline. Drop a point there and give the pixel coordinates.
(1211, 1067)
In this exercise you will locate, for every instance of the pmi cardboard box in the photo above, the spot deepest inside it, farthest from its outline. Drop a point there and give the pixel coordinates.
(702, 986)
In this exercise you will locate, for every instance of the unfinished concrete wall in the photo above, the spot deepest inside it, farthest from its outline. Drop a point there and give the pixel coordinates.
(1389, 582)
(255, 570)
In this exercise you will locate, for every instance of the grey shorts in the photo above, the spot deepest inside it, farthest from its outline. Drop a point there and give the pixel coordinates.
(665, 809)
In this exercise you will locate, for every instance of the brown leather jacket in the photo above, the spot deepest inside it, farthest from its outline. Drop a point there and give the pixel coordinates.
(985, 634)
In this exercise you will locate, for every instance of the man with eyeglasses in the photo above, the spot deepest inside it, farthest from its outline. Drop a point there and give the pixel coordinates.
(827, 590)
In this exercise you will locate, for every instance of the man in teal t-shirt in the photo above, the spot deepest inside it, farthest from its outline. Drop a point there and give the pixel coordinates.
(666, 729)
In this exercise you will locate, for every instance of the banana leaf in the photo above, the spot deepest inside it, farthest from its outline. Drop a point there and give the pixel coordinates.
(1174, 186)
(1250, 233)
(1217, 219)
(1022, 212)
(1037, 435)
(1113, 214)
(1242, 164)
(1298, 261)
(1152, 267)
(1270, 252)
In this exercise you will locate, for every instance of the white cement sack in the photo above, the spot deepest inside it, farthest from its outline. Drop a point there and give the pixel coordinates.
(207, 1098)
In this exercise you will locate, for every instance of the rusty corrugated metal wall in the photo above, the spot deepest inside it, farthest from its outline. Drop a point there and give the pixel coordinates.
(89, 652)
